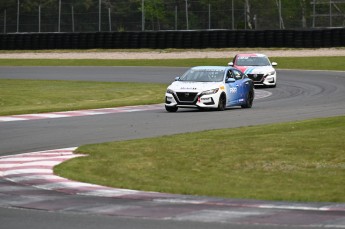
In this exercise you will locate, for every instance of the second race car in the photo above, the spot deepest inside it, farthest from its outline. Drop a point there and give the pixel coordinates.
(210, 87)
(258, 67)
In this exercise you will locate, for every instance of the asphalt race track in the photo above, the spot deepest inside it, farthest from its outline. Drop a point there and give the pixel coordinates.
(300, 95)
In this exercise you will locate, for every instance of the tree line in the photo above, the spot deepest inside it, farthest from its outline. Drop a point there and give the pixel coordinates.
(137, 15)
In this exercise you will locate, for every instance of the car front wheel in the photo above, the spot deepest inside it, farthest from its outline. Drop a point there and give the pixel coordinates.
(221, 104)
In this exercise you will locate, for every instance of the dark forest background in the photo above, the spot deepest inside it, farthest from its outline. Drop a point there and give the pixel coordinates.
(127, 15)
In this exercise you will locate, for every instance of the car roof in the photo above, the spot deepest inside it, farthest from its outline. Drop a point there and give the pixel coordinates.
(212, 68)
(251, 55)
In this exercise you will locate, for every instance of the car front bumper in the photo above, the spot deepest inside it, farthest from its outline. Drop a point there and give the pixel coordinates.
(204, 101)
(263, 80)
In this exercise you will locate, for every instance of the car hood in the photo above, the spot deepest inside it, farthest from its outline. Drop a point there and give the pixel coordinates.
(255, 69)
(185, 86)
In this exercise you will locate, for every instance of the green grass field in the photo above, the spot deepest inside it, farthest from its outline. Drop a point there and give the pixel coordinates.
(303, 161)
(308, 63)
(38, 96)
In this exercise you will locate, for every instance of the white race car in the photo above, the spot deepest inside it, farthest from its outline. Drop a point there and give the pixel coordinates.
(210, 87)
(257, 67)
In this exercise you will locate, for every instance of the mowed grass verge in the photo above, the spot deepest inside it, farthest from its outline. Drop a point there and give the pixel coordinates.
(298, 161)
(37, 96)
(307, 63)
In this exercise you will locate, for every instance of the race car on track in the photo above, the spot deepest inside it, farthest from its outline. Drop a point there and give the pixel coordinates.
(257, 67)
(210, 87)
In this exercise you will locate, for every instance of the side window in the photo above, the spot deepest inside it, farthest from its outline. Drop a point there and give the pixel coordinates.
(237, 74)
(229, 74)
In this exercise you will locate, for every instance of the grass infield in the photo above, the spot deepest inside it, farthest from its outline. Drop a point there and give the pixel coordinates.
(38, 96)
(298, 161)
(307, 63)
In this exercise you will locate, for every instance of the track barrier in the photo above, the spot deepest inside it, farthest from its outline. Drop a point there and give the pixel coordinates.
(317, 38)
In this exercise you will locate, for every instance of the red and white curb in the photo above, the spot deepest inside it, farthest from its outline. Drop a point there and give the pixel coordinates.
(67, 114)
(36, 170)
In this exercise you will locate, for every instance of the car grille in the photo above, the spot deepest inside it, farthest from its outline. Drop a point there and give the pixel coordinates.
(256, 77)
(186, 96)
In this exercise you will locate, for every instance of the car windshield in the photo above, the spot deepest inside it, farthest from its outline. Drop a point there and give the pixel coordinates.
(203, 75)
(252, 61)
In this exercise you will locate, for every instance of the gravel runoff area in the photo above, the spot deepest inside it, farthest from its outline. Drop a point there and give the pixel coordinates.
(166, 54)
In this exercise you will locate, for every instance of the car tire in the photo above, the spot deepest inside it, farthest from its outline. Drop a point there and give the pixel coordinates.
(221, 103)
(171, 109)
(249, 99)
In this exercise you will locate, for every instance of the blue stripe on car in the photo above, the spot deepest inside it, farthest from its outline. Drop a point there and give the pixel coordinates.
(249, 70)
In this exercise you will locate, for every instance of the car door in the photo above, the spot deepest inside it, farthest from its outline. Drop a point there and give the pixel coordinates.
(239, 84)
(232, 87)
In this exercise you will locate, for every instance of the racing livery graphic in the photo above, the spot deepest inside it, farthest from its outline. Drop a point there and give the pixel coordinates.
(257, 67)
(210, 87)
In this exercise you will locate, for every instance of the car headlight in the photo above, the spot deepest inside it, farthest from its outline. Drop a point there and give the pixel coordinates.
(170, 91)
(271, 73)
(209, 92)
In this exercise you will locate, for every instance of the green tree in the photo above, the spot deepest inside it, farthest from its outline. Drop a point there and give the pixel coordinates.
(155, 13)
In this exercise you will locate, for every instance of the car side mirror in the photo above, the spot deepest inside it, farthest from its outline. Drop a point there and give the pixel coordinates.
(177, 78)
(274, 64)
(230, 80)
(230, 64)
